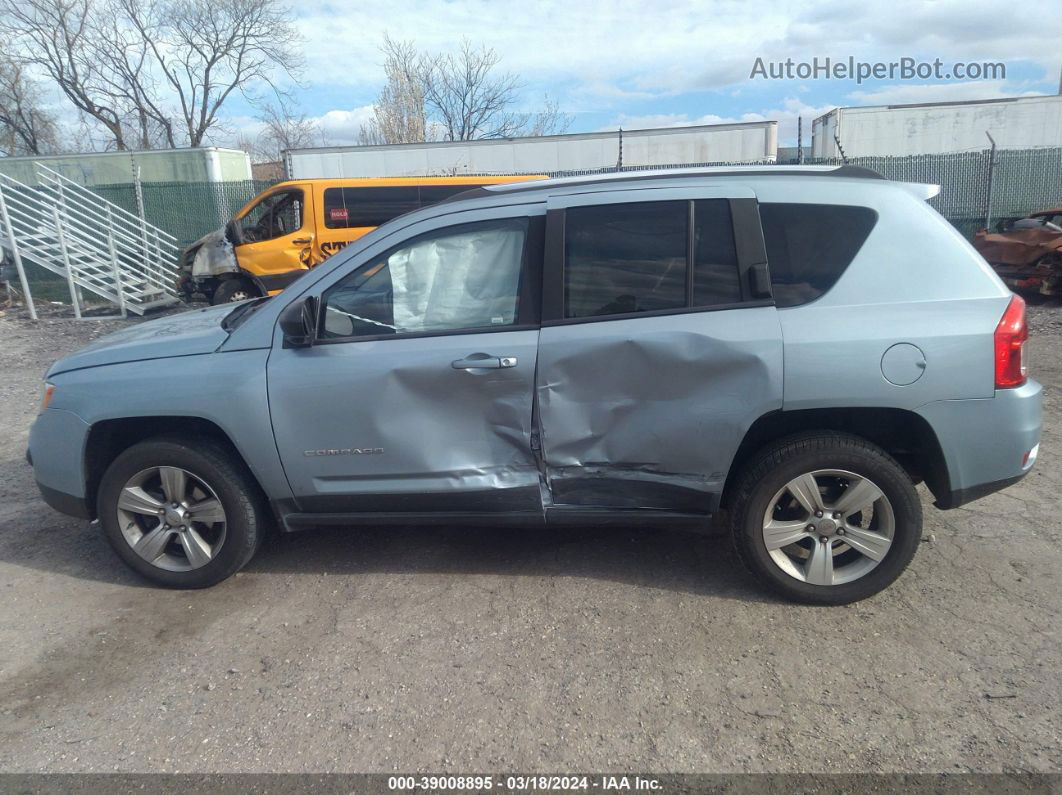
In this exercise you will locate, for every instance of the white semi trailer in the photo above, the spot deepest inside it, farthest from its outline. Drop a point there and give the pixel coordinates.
(1019, 123)
(752, 142)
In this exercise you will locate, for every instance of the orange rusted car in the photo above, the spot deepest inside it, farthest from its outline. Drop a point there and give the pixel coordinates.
(1028, 253)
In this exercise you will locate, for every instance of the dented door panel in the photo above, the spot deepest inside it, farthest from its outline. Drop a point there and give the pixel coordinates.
(648, 412)
(395, 425)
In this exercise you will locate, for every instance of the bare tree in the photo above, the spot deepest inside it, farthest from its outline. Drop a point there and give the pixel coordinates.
(206, 50)
(57, 36)
(155, 72)
(285, 128)
(548, 121)
(26, 127)
(456, 97)
(468, 98)
(399, 115)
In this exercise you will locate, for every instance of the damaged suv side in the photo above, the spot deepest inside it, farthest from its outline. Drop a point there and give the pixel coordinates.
(647, 348)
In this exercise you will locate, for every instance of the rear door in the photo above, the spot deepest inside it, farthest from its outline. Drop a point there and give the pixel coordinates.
(660, 346)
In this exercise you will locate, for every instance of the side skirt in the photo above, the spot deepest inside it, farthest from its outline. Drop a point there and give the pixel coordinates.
(553, 516)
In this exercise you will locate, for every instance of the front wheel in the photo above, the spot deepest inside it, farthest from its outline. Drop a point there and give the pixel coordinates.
(183, 513)
(826, 518)
(232, 290)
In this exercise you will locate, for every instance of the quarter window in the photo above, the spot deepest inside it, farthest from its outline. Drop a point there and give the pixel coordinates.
(629, 258)
(809, 246)
(461, 277)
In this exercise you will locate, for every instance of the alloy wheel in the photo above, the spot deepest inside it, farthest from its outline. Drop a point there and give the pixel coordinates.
(828, 527)
(171, 518)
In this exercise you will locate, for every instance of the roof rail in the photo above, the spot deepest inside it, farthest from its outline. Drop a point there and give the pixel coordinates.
(844, 171)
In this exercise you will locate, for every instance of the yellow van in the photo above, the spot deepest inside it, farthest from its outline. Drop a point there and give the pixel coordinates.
(293, 226)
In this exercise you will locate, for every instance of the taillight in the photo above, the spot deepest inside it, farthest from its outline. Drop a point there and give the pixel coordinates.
(1011, 334)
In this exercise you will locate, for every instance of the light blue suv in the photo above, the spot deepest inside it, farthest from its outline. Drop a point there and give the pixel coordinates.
(794, 347)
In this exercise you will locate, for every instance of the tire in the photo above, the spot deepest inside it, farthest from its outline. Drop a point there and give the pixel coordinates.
(232, 290)
(200, 551)
(865, 551)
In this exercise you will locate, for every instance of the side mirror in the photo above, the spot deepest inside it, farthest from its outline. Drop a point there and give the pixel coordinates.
(298, 322)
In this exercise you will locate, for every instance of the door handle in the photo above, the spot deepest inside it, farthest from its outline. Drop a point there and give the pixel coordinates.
(302, 241)
(483, 361)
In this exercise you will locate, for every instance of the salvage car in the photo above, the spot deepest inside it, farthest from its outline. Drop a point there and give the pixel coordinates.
(791, 349)
(1027, 254)
(293, 226)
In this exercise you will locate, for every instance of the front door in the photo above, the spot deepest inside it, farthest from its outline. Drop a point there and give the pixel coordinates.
(418, 393)
(277, 236)
(660, 346)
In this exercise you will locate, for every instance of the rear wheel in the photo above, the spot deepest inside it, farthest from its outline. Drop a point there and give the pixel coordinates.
(232, 290)
(183, 513)
(826, 518)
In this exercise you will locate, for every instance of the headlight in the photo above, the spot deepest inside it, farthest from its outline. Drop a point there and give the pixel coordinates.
(46, 398)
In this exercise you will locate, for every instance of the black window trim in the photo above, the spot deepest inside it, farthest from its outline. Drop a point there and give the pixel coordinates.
(302, 215)
(748, 243)
(528, 317)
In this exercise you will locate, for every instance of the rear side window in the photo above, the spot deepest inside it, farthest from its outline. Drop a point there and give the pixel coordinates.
(809, 246)
(347, 207)
(627, 258)
(358, 207)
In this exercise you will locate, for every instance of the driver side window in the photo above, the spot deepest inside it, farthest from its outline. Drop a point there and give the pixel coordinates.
(274, 216)
(460, 277)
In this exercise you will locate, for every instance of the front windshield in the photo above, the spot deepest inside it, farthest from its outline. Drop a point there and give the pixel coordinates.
(276, 215)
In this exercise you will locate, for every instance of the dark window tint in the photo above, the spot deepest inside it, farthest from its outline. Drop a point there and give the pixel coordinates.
(810, 245)
(622, 258)
(715, 265)
(349, 207)
(431, 194)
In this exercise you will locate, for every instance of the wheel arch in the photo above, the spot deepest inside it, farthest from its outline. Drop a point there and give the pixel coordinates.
(107, 439)
(905, 435)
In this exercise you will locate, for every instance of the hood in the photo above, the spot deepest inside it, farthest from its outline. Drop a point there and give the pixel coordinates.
(213, 254)
(186, 334)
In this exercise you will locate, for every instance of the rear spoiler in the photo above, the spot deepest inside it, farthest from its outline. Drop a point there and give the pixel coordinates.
(922, 190)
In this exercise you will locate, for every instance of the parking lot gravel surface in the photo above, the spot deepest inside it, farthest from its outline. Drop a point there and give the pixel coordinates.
(498, 650)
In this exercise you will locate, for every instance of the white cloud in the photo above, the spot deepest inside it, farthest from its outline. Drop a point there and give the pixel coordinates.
(609, 51)
(341, 127)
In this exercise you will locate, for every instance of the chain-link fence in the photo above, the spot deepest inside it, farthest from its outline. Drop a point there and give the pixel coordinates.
(1022, 181)
(187, 210)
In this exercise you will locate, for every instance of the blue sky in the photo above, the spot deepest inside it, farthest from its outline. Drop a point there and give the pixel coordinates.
(640, 64)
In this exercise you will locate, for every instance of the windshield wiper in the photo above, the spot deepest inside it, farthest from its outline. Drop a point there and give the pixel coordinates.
(236, 317)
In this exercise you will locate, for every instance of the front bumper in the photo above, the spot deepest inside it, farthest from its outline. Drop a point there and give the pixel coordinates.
(57, 454)
(988, 444)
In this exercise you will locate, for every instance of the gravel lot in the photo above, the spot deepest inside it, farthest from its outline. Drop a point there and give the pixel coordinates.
(478, 650)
